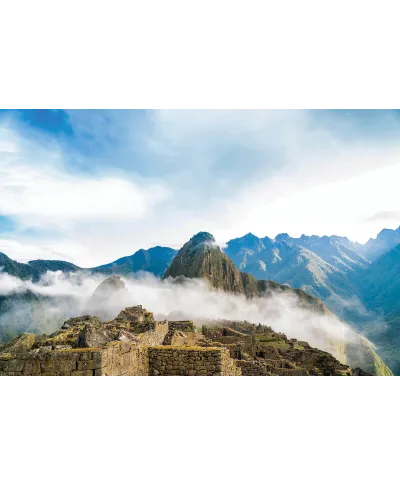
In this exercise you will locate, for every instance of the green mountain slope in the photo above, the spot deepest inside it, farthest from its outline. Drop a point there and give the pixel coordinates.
(380, 285)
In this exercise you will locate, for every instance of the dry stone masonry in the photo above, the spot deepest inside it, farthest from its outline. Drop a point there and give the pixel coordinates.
(191, 361)
(135, 344)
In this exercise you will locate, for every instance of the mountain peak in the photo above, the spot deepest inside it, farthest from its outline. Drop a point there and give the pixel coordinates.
(200, 238)
(284, 236)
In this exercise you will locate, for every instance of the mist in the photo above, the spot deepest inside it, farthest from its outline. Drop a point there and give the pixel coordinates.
(42, 307)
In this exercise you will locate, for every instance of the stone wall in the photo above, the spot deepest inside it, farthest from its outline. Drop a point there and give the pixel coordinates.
(180, 333)
(186, 326)
(263, 368)
(124, 359)
(144, 356)
(115, 359)
(71, 362)
(190, 361)
(154, 335)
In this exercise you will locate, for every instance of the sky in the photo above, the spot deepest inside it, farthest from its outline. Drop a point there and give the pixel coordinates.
(90, 186)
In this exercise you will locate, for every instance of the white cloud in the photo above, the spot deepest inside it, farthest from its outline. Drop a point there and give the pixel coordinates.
(298, 175)
(24, 251)
(37, 190)
(318, 206)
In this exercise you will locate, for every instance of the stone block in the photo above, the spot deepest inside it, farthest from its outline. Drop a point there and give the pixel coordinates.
(32, 366)
(58, 365)
(86, 365)
(126, 360)
(14, 365)
(86, 356)
(99, 359)
(6, 356)
(81, 373)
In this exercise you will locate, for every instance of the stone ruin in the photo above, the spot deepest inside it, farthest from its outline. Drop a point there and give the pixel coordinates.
(135, 344)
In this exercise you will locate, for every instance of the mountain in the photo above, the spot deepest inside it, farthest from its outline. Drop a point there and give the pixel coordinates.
(321, 266)
(154, 260)
(380, 285)
(42, 265)
(33, 270)
(201, 258)
(337, 251)
(386, 240)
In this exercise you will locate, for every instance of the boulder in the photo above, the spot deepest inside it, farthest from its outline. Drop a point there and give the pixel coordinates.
(95, 336)
(79, 320)
(22, 343)
(125, 336)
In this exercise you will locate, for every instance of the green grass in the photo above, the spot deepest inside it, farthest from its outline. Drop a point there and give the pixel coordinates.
(274, 342)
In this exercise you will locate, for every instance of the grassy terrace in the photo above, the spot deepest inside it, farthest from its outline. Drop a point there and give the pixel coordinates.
(182, 347)
(278, 343)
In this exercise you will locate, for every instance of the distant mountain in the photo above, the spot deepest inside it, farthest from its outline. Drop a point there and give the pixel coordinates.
(386, 240)
(321, 266)
(33, 270)
(339, 252)
(154, 260)
(42, 265)
(380, 285)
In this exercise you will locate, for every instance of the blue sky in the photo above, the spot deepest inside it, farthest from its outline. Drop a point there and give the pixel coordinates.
(90, 186)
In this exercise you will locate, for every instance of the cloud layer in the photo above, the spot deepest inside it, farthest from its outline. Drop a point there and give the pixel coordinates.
(70, 296)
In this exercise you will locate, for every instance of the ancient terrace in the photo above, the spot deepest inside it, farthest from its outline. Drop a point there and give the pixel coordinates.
(134, 344)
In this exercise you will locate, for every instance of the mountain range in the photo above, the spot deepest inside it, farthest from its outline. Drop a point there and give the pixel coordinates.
(154, 260)
(359, 283)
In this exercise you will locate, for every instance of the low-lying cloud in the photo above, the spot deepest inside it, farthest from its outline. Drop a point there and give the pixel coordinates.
(58, 297)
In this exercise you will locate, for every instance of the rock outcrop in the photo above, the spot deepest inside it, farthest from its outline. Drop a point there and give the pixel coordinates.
(22, 343)
(108, 288)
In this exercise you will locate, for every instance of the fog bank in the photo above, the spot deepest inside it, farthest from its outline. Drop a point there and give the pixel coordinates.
(42, 307)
